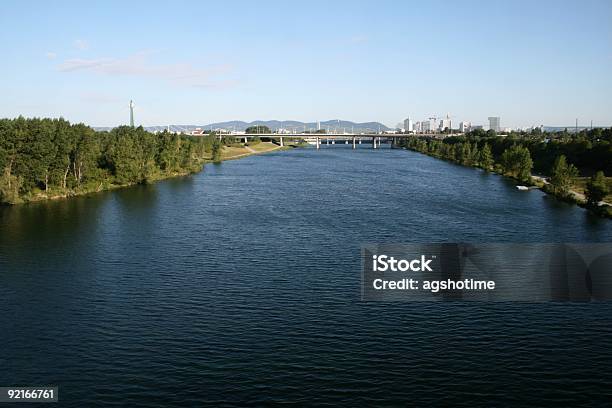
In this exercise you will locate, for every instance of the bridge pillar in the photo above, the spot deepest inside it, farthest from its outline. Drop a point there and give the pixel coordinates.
(318, 143)
(281, 141)
(245, 140)
(374, 143)
(353, 142)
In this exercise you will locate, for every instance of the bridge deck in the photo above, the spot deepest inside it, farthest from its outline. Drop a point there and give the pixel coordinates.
(326, 135)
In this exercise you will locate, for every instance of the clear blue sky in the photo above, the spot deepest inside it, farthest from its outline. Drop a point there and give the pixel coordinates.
(531, 62)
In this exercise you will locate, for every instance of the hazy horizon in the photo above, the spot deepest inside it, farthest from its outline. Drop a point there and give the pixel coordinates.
(543, 63)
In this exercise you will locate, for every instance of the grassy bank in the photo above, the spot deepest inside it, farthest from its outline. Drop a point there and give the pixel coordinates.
(239, 151)
(579, 186)
(56, 193)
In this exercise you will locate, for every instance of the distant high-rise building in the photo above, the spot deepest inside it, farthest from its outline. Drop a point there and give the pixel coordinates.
(425, 126)
(428, 126)
(464, 126)
(131, 113)
(494, 123)
(445, 123)
(417, 127)
(408, 125)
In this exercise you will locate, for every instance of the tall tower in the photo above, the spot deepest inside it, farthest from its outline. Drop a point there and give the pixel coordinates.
(131, 113)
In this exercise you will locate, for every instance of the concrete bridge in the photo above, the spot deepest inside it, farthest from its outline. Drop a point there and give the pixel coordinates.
(349, 138)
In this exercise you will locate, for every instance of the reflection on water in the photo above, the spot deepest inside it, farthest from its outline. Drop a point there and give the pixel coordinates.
(242, 283)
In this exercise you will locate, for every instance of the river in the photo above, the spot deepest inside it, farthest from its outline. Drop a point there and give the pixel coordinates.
(241, 284)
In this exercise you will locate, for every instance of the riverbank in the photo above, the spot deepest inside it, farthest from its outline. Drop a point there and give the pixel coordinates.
(604, 208)
(228, 153)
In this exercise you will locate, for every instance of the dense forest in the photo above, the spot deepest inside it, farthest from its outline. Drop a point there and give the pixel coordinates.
(561, 156)
(45, 158)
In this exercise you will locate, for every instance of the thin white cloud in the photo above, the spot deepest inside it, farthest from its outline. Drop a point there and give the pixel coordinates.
(81, 44)
(81, 64)
(50, 55)
(139, 65)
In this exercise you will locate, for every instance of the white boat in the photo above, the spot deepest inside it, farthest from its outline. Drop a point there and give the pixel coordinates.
(522, 188)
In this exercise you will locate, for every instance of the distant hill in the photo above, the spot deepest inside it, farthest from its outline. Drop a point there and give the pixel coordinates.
(238, 125)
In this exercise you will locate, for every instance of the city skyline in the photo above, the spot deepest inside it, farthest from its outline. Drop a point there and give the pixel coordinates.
(435, 122)
(545, 64)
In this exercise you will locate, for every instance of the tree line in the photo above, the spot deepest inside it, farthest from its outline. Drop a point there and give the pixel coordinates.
(45, 157)
(561, 155)
(515, 161)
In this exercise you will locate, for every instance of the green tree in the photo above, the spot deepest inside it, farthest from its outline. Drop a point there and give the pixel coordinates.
(187, 155)
(258, 129)
(18, 168)
(562, 175)
(146, 149)
(42, 151)
(64, 140)
(516, 162)
(485, 157)
(229, 140)
(459, 155)
(596, 188)
(466, 154)
(11, 142)
(85, 155)
(169, 146)
(477, 133)
(217, 147)
(122, 156)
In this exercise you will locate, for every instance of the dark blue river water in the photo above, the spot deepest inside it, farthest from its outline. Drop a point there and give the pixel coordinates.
(241, 286)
